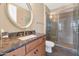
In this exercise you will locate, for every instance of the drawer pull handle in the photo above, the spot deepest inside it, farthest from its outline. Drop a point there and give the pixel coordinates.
(14, 55)
(34, 52)
(37, 50)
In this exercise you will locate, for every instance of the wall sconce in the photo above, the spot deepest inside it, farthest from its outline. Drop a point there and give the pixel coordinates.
(53, 17)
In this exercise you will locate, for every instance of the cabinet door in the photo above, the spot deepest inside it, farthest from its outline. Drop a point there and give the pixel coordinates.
(42, 49)
(32, 45)
(38, 51)
(17, 52)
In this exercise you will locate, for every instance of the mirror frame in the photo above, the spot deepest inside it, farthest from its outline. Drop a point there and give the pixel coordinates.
(15, 24)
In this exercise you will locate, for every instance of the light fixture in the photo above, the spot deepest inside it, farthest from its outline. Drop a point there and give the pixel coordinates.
(53, 17)
(50, 16)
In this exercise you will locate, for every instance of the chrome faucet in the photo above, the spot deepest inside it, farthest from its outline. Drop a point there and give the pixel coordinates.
(24, 31)
(1, 40)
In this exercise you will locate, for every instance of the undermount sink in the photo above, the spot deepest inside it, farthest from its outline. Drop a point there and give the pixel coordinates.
(27, 37)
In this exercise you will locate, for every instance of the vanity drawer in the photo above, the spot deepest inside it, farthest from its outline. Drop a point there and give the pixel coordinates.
(33, 52)
(33, 44)
(38, 51)
(17, 52)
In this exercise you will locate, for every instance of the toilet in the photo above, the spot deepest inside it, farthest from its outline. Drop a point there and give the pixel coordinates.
(49, 46)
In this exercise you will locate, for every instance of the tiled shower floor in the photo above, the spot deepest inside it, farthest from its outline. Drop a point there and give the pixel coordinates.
(60, 51)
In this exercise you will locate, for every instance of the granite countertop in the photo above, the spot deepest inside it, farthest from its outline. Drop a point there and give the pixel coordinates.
(11, 44)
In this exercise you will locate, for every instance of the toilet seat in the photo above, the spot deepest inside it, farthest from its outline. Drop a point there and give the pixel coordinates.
(49, 43)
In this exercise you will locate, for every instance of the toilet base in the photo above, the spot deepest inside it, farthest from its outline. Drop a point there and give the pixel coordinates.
(48, 54)
(49, 49)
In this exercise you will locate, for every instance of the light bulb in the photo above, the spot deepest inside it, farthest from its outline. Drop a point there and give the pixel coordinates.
(50, 16)
(2, 30)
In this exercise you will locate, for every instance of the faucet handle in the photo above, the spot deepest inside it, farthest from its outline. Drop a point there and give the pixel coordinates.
(21, 34)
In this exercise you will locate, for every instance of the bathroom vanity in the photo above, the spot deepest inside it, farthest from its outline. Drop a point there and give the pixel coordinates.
(23, 43)
(31, 47)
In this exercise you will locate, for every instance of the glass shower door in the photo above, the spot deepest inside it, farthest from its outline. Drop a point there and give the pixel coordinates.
(51, 29)
(75, 26)
(65, 33)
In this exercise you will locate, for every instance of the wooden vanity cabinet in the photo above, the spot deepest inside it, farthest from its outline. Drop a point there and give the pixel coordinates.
(34, 48)
(38, 51)
(17, 52)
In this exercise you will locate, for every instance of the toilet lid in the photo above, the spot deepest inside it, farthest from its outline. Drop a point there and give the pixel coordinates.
(49, 43)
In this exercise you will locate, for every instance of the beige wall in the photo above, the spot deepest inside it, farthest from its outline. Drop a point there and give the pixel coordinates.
(38, 14)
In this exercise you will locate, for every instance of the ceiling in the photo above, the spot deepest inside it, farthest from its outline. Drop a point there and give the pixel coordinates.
(52, 6)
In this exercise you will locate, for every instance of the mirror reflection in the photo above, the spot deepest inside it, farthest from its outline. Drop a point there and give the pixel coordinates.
(20, 14)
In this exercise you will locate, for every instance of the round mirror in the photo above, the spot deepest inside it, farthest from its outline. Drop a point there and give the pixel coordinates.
(20, 14)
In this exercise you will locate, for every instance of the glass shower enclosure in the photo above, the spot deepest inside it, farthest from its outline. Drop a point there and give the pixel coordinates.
(51, 29)
(68, 30)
